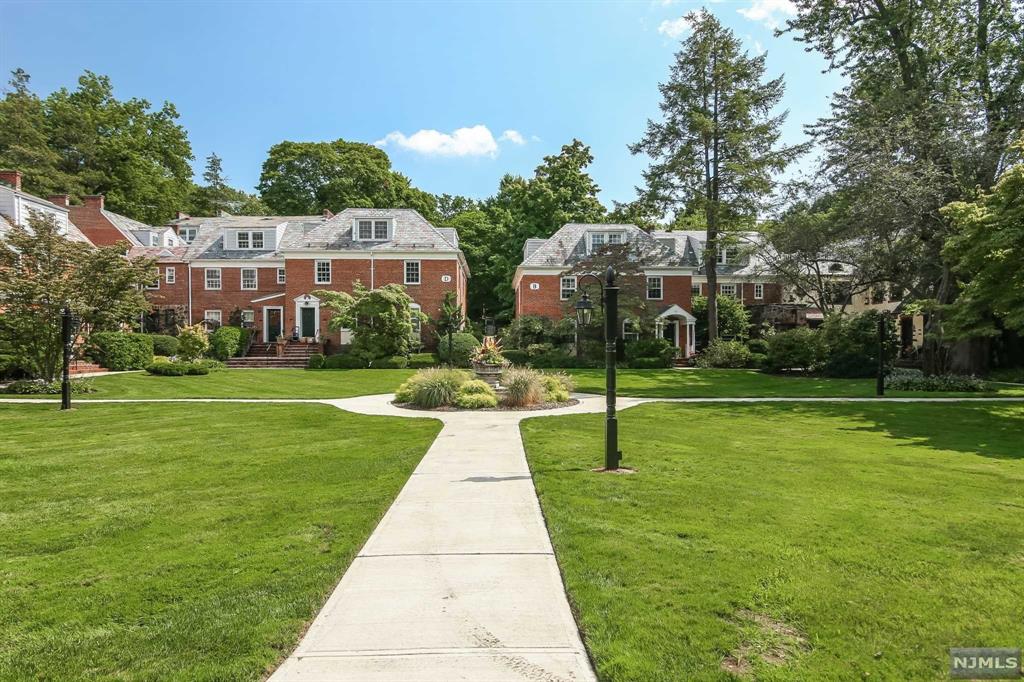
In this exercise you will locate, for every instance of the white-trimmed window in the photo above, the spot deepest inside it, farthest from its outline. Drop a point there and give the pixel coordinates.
(695, 289)
(280, 276)
(373, 230)
(250, 279)
(727, 290)
(758, 291)
(412, 272)
(630, 332)
(596, 240)
(169, 275)
(155, 284)
(187, 234)
(568, 288)
(323, 272)
(654, 288)
(616, 238)
(248, 317)
(213, 278)
(248, 240)
(728, 254)
(212, 316)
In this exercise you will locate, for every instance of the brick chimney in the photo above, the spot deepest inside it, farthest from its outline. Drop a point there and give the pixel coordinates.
(61, 200)
(327, 214)
(93, 201)
(12, 178)
(181, 214)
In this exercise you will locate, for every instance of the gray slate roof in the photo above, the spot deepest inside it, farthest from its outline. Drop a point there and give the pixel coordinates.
(411, 232)
(126, 225)
(568, 246)
(305, 233)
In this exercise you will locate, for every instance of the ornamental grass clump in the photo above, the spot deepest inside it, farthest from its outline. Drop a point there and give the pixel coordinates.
(476, 394)
(489, 352)
(434, 387)
(557, 387)
(523, 387)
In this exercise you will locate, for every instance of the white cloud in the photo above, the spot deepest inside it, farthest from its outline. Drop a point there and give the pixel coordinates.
(513, 136)
(475, 141)
(675, 28)
(771, 13)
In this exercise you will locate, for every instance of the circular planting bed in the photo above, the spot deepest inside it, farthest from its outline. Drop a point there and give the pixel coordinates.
(499, 408)
(511, 388)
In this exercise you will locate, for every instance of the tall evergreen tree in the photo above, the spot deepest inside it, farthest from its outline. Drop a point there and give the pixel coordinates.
(716, 150)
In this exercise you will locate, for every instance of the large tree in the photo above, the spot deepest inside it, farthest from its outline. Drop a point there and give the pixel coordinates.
(987, 252)
(560, 191)
(935, 95)
(716, 150)
(217, 195)
(41, 271)
(86, 141)
(304, 178)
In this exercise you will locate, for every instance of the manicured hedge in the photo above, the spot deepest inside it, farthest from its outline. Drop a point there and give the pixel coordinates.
(344, 361)
(393, 362)
(164, 345)
(177, 369)
(120, 350)
(316, 361)
(422, 360)
(228, 342)
(725, 354)
(463, 346)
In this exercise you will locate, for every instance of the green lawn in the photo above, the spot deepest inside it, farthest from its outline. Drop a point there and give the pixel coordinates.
(249, 383)
(841, 541)
(742, 383)
(181, 541)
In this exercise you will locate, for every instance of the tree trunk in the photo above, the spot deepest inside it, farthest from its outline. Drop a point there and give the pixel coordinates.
(711, 178)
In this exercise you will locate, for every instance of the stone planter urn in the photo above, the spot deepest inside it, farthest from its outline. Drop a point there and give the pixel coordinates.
(489, 372)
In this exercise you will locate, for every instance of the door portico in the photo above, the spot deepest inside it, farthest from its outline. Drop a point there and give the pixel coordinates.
(307, 316)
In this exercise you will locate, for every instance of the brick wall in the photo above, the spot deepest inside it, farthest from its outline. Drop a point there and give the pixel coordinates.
(546, 301)
(170, 294)
(772, 292)
(93, 224)
(231, 295)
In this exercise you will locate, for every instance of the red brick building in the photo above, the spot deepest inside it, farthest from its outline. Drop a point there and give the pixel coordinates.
(266, 268)
(671, 262)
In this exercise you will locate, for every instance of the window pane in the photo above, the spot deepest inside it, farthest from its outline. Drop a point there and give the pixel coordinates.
(257, 240)
(412, 272)
(213, 278)
(243, 240)
(365, 229)
(380, 229)
(248, 278)
(568, 287)
(654, 287)
(615, 238)
(280, 276)
(323, 272)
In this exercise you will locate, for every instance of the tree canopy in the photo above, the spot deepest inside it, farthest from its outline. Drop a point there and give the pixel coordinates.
(304, 178)
(86, 141)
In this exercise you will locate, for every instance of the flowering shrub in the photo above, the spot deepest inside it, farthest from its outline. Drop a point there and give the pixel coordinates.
(915, 380)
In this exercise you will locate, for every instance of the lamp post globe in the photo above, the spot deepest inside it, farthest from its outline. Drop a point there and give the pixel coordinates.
(584, 310)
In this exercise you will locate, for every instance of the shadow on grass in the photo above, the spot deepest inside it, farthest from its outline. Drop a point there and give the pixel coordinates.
(988, 429)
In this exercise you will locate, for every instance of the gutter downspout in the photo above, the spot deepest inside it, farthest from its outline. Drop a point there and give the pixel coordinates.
(372, 286)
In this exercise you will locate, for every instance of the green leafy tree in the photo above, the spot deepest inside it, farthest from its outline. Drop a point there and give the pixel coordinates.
(304, 178)
(733, 319)
(380, 319)
(987, 250)
(716, 150)
(193, 342)
(481, 240)
(935, 95)
(41, 271)
(560, 191)
(450, 319)
(137, 156)
(449, 206)
(24, 144)
(217, 195)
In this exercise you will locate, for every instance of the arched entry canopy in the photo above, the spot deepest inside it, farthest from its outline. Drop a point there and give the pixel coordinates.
(679, 327)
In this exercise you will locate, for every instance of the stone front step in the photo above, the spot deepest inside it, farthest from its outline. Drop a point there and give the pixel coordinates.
(81, 367)
(241, 363)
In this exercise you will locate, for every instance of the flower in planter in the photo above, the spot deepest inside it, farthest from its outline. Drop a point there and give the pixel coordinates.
(489, 352)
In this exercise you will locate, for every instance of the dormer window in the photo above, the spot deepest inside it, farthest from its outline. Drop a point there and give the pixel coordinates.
(246, 239)
(728, 254)
(615, 238)
(373, 230)
(596, 240)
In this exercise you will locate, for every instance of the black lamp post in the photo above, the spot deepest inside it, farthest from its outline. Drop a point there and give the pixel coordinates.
(68, 326)
(882, 333)
(584, 314)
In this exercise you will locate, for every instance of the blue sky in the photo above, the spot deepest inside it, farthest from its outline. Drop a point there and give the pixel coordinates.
(492, 86)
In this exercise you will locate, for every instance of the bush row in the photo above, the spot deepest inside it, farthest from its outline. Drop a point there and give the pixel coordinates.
(120, 350)
(901, 379)
(443, 386)
(40, 387)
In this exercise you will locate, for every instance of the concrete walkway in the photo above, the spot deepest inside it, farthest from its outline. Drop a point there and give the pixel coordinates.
(459, 580)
